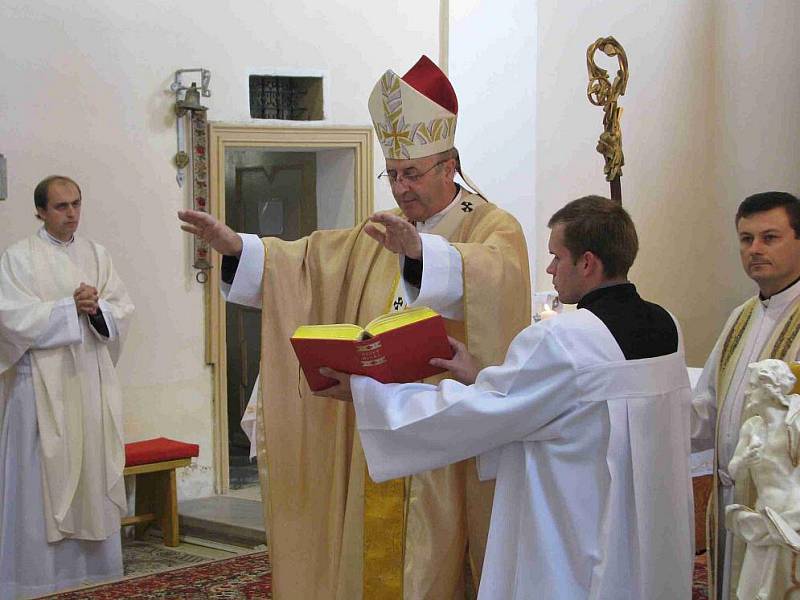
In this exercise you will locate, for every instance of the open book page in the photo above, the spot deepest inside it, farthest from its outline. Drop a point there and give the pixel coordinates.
(381, 324)
(339, 331)
(399, 319)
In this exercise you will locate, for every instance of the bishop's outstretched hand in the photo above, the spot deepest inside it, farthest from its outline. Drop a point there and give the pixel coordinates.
(219, 236)
(398, 234)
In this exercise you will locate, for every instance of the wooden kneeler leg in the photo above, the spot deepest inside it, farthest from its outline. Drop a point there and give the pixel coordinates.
(146, 500)
(169, 515)
(156, 498)
(157, 493)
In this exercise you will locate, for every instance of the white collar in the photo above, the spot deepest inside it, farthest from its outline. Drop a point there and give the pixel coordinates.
(433, 220)
(782, 299)
(45, 235)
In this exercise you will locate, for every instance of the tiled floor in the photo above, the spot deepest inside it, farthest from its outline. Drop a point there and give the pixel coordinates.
(149, 555)
(209, 549)
(211, 528)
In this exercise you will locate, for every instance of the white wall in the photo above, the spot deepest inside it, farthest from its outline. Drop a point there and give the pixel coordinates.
(755, 138)
(492, 65)
(710, 116)
(336, 188)
(83, 93)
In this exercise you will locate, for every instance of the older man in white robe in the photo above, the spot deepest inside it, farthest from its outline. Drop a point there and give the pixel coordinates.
(584, 427)
(63, 314)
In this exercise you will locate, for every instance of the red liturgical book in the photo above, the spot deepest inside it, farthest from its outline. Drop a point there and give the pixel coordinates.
(394, 348)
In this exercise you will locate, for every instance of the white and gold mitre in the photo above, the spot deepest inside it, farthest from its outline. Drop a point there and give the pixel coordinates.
(414, 115)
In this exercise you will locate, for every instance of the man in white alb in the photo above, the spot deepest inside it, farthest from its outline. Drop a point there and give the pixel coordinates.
(63, 314)
(766, 326)
(584, 427)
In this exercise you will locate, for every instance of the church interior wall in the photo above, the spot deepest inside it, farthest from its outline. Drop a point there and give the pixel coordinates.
(335, 181)
(709, 118)
(492, 50)
(84, 92)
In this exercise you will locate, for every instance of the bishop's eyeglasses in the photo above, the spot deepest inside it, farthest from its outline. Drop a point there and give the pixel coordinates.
(394, 177)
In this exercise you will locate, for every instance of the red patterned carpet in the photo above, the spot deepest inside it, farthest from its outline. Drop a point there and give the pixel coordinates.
(245, 577)
(700, 583)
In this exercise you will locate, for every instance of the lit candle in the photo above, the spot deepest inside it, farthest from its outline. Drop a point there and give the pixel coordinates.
(547, 313)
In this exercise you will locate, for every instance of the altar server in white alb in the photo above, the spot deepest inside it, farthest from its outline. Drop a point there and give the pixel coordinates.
(63, 314)
(584, 427)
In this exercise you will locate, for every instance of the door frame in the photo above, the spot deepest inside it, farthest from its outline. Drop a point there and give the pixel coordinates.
(231, 135)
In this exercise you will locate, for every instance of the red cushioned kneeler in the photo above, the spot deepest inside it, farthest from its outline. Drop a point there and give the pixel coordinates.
(152, 463)
(158, 450)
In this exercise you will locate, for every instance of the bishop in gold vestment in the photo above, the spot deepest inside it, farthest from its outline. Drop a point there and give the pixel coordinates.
(333, 532)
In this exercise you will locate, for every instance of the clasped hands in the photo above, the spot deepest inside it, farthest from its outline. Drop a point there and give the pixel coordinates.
(396, 233)
(463, 367)
(86, 299)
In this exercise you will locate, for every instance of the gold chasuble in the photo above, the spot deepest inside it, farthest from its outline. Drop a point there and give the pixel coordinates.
(333, 533)
(783, 344)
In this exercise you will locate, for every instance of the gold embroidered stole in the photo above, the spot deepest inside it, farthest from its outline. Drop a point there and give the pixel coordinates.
(783, 344)
(779, 345)
(732, 348)
(385, 504)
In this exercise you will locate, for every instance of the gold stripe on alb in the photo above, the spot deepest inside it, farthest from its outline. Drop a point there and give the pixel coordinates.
(386, 504)
(384, 539)
(787, 336)
(384, 528)
(735, 334)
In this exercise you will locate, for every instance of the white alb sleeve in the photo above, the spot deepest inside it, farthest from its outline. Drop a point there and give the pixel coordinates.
(414, 427)
(64, 327)
(246, 286)
(704, 406)
(442, 286)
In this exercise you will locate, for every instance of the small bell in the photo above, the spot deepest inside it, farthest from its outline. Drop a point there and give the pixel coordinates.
(191, 101)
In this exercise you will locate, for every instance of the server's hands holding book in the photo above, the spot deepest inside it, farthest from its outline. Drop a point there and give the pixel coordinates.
(463, 367)
(400, 347)
(341, 390)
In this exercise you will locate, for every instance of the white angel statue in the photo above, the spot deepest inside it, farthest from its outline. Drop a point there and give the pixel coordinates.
(767, 452)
